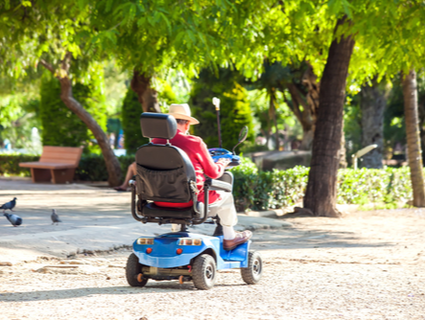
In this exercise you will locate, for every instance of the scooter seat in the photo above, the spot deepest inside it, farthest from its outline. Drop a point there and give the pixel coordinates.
(152, 210)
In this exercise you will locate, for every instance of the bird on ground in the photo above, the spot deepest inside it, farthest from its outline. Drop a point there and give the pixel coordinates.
(14, 219)
(55, 217)
(9, 205)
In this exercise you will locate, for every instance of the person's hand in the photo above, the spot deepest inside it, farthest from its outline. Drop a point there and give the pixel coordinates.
(224, 161)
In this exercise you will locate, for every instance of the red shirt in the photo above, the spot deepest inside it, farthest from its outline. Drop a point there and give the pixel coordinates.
(201, 159)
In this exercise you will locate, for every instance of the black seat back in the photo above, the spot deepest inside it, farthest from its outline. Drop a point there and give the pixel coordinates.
(164, 172)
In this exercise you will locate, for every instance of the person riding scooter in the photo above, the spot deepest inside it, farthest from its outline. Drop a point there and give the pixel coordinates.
(221, 203)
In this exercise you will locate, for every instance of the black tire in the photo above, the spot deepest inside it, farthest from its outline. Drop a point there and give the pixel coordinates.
(204, 272)
(252, 274)
(132, 270)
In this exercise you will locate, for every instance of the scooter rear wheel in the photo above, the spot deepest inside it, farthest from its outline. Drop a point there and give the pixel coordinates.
(204, 272)
(252, 274)
(132, 271)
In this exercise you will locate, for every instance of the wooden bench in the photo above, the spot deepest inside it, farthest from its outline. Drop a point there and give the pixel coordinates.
(56, 164)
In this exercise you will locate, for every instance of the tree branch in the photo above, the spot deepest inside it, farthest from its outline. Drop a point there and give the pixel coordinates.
(47, 65)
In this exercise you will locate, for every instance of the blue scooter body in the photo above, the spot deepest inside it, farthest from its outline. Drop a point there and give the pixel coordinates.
(163, 251)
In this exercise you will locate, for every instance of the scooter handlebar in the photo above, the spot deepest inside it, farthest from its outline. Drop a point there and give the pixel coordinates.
(218, 153)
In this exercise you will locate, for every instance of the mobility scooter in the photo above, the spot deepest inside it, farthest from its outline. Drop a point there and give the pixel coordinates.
(165, 173)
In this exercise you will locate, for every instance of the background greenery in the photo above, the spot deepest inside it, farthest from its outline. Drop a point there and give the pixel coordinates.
(130, 115)
(60, 126)
(235, 111)
(262, 190)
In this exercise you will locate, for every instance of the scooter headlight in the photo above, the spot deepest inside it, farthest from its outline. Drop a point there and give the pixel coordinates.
(189, 242)
(145, 241)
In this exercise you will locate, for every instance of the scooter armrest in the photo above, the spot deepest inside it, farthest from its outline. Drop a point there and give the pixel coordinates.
(220, 185)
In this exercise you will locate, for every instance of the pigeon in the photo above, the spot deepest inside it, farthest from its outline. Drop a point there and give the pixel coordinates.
(14, 219)
(9, 205)
(55, 217)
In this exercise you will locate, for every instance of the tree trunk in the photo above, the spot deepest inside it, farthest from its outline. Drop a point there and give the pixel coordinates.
(307, 114)
(421, 112)
(373, 101)
(274, 117)
(309, 80)
(112, 164)
(410, 95)
(147, 96)
(320, 196)
(342, 150)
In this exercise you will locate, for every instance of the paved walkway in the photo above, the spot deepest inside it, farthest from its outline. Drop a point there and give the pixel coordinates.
(94, 218)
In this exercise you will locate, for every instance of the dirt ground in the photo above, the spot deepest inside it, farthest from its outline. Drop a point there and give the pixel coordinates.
(367, 265)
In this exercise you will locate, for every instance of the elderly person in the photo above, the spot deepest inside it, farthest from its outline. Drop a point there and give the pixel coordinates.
(221, 203)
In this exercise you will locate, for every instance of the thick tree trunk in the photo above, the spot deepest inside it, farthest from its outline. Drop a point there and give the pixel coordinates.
(410, 95)
(373, 103)
(320, 196)
(112, 164)
(147, 96)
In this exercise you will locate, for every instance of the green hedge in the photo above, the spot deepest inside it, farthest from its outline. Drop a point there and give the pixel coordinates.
(92, 166)
(261, 190)
(9, 164)
(257, 190)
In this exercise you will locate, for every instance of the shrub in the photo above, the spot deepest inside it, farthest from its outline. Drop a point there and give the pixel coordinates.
(9, 164)
(262, 190)
(92, 167)
(130, 115)
(234, 108)
(256, 190)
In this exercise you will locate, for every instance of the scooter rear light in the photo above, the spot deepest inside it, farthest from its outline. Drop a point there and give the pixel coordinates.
(145, 241)
(179, 251)
(148, 250)
(189, 242)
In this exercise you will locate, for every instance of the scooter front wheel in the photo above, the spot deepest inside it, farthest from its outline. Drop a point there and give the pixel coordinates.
(252, 274)
(133, 272)
(204, 272)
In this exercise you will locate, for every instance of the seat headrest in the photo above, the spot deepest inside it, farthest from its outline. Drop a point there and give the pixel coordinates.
(158, 125)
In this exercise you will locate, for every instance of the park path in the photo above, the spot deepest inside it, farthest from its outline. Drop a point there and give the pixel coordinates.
(367, 265)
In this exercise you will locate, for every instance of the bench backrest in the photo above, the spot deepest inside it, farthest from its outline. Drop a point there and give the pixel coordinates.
(65, 155)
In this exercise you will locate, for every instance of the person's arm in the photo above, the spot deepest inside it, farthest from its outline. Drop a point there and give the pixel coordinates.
(212, 169)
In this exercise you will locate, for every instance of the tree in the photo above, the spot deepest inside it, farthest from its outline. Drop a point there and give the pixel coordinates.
(60, 126)
(32, 35)
(373, 104)
(321, 192)
(151, 36)
(413, 138)
(63, 75)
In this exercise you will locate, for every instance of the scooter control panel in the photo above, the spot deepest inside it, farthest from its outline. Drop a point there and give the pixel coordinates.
(218, 153)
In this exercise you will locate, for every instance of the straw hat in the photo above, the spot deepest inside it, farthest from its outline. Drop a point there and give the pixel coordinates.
(182, 111)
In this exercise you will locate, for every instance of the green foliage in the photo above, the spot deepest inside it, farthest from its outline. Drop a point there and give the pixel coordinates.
(260, 190)
(257, 190)
(18, 115)
(61, 127)
(364, 186)
(352, 126)
(130, 116)
(92, 167)
(234, 108)
(9, 164)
